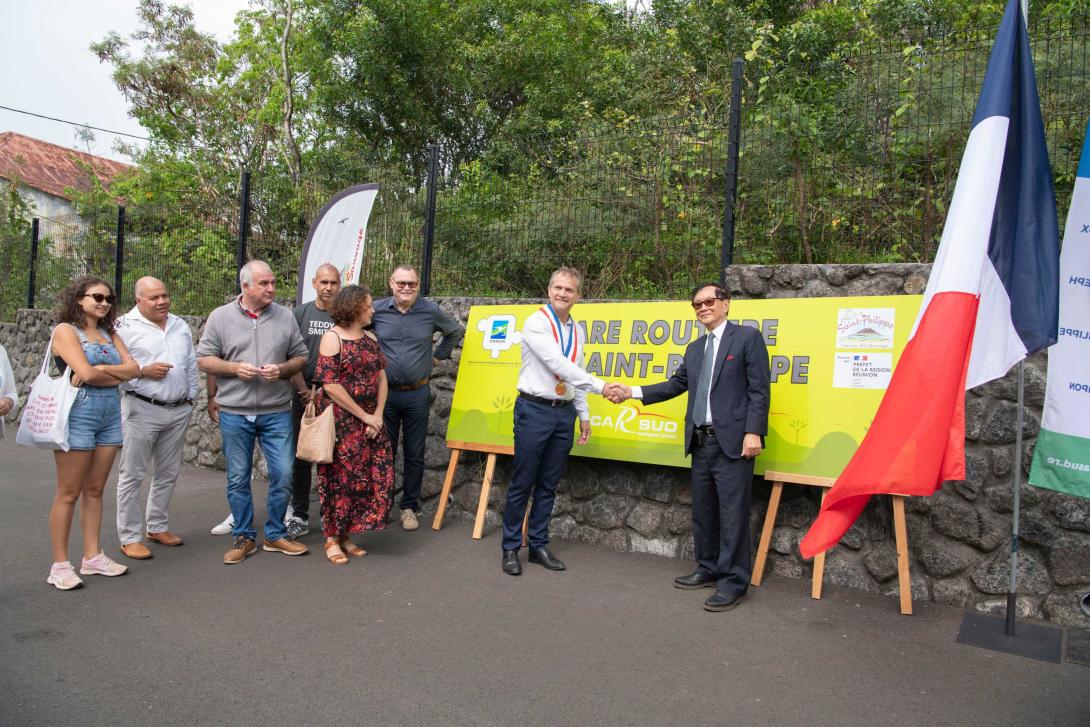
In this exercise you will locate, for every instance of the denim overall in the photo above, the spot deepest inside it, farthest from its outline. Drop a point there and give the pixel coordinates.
(95, 418)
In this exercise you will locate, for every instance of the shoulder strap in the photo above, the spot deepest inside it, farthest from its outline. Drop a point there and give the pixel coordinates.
(49, 348)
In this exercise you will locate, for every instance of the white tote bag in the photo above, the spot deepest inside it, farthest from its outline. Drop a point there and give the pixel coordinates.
(45, 416)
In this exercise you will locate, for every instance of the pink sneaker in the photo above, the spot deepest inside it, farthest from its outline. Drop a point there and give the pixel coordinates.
(63, 576)
(101, 565)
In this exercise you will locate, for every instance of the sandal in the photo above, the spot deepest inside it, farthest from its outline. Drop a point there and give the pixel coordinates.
(334, 554)
(352, 549)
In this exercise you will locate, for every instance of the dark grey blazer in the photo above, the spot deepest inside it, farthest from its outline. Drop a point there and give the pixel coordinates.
(740, 387)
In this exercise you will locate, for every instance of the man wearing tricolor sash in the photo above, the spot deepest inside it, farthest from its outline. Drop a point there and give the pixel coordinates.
(552, 388)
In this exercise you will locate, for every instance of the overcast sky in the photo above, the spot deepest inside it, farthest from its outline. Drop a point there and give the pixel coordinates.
(48, 69)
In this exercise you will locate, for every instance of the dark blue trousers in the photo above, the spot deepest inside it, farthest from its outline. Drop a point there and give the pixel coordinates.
(406, 418)
(543, 438)
(721, 493)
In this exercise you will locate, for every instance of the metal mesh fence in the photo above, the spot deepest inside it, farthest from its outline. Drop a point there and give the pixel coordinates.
(639, 212)
(865, 176)
(862, 173)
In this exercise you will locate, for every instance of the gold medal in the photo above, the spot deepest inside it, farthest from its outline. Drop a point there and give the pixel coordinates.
(561, 389)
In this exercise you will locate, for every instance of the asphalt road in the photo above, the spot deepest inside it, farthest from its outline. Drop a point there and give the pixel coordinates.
(427, 630)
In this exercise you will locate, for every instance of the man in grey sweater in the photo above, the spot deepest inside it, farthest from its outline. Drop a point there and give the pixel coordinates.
(253, 346)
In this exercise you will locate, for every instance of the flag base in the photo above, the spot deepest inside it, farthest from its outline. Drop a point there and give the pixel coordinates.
(1078, 646)
(1043, 643)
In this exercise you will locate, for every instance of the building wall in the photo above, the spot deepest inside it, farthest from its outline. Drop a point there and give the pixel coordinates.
(958, 538)
(42, 203)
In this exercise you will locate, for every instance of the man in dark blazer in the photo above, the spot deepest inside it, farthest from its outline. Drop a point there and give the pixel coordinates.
(726, 419)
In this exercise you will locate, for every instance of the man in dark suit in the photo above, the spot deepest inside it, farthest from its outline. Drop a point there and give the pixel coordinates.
(726, 419)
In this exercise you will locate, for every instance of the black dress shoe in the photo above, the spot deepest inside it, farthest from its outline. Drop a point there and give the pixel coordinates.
(542, 556)
(696, 579)
(721, 601)
(511, 565)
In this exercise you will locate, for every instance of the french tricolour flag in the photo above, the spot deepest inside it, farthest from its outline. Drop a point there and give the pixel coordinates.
(992, 298)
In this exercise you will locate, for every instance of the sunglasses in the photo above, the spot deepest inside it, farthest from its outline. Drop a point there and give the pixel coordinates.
(410, 284)
(99, 297)
(706, 303)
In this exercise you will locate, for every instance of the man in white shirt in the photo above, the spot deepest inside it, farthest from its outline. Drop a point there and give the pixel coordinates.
(155, 412)
(552, 389)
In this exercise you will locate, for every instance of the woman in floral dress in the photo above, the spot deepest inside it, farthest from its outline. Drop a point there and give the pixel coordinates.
(356, 489)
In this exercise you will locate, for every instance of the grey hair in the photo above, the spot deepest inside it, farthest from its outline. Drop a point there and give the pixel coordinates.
(569, 272)
(246, 272)
(408, 268)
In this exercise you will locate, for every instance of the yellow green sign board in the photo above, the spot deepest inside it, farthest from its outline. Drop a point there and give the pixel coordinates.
(831, 359)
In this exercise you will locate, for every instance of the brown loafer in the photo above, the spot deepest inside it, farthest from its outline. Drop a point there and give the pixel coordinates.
(165, 538)
(136, 551)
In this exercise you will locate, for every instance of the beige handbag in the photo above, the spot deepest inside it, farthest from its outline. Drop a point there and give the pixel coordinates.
(317, 434)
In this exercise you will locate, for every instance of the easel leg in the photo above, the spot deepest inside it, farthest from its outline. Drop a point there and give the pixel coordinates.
(482, 505)
(766, 534)
(440, 511)
(900, 529)
(819, 567)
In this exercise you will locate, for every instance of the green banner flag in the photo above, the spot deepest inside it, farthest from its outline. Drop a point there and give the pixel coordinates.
(1061, 459)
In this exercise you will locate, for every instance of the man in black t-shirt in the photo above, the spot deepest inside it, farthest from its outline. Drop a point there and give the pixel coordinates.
(313, 319)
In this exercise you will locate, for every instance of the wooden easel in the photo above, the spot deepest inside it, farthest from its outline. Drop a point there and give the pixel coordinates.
(456, 448)
(899, 528)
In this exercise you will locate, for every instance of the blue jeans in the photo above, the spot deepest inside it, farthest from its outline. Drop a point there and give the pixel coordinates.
(274, 433)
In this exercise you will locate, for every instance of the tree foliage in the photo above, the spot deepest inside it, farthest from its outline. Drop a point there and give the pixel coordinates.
(580, 131)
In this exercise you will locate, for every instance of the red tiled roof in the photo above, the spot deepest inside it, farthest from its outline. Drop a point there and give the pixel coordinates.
(49, 167)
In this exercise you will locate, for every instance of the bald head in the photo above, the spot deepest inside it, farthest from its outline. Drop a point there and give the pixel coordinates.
(327, 269)
(146, 282)
(327, 283)
(152, 299)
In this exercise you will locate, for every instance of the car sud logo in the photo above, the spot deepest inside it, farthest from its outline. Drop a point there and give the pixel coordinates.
(499, 333)
(634, 420)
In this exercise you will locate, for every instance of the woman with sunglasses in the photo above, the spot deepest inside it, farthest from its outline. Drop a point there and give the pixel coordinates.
(85, 342)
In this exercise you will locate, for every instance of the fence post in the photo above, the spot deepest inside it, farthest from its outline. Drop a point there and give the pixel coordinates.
(429, 219)
(119, 251)
(32, 281)
(243, 223)
(734, 133)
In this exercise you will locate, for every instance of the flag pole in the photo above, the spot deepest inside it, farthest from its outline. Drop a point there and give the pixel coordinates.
(978, 629)
(1013, 590)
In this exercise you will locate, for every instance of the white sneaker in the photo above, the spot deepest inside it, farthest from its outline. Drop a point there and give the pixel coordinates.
(225, 527)
(63, 576)
(408, 520)
(102, 565)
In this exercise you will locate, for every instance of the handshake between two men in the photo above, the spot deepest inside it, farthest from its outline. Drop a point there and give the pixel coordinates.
(617, 392)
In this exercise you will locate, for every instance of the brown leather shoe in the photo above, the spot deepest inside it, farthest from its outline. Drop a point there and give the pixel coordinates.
(285, 546)
(165, 538)
(136, 551)
(242, 548)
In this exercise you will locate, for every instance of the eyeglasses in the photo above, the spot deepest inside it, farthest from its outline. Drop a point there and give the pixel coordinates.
(410, 284)
(706, 303)
(99, 297)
